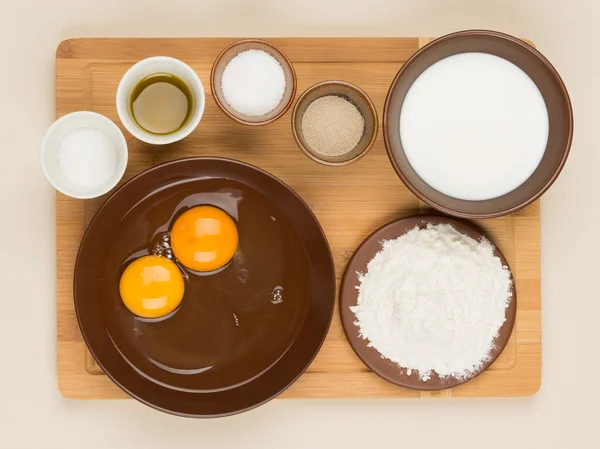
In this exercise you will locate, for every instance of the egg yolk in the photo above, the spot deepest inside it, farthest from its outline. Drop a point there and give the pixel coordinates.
(151, 286)
(204, 238)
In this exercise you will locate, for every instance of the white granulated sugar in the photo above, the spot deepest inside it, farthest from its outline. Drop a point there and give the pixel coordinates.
(433, 300)
(88, 158)
(253, 83)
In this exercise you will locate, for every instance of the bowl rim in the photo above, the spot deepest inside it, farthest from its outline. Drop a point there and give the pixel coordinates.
(121, 145)
(372, 108)
(498, 35)
(225, 107)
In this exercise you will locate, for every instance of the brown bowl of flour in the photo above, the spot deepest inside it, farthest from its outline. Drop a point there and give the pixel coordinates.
(334, 123)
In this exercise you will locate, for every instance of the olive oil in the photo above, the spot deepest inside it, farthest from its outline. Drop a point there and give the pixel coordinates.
(161, 103)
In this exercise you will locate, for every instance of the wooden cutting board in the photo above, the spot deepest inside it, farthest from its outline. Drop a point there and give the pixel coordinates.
(350, 202)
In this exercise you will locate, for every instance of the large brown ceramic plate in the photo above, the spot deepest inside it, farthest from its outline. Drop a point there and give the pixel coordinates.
(349, 296)
(243, 334)
(543, 74)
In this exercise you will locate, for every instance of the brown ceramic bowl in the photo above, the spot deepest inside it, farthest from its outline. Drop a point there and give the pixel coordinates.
(534, 64)
(242, 334)
(349, 297)
(351, 93)
(230, 52)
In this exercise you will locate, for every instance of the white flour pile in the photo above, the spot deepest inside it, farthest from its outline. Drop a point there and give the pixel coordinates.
(433, 300)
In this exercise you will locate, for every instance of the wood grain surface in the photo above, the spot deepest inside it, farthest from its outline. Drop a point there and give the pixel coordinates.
(350, 202)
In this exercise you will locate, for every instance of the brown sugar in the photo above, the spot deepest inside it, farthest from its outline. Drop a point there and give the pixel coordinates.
(332, 125)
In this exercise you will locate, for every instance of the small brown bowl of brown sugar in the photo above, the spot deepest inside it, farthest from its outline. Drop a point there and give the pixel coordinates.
(334, 123)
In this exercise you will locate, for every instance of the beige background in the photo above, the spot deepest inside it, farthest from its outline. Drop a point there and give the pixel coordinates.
(564, 414)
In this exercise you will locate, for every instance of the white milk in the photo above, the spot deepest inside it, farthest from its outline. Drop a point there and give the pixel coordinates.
(474, 126)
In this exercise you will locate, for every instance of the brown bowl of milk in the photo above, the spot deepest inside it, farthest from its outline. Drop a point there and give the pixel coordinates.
(478, 124)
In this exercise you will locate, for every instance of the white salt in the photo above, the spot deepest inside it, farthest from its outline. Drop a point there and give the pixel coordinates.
(253, 83)
(474, 126)
(88, 158)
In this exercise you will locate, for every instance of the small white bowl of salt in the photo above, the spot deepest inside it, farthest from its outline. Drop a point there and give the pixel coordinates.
(84, 154)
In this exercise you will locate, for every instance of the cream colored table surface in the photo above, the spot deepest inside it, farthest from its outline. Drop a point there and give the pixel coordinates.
(564, 414)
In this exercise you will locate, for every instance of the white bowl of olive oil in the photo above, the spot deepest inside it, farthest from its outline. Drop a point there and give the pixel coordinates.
(160, 100)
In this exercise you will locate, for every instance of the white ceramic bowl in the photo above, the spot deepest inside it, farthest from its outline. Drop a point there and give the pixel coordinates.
(59, 130)
(147, 67)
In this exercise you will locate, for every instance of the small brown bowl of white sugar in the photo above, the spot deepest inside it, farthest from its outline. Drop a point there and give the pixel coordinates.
(253, 82)
(334, 123)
